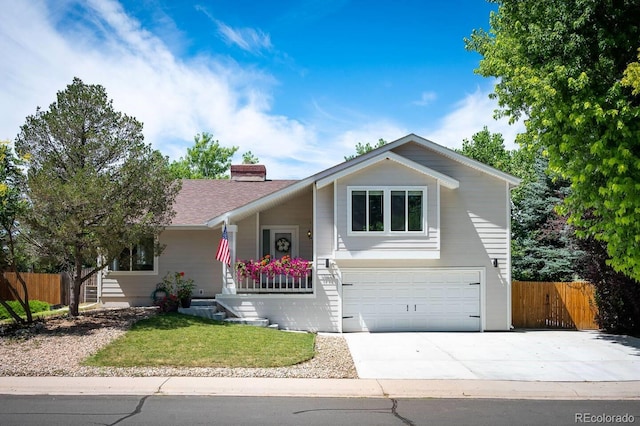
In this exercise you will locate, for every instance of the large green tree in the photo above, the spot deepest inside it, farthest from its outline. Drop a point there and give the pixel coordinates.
(560, 66)
(489, 149)
(94, 186)
(206, 159)
(12, 206)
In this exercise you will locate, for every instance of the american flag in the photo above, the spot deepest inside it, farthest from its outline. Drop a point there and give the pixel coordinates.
(223, 254)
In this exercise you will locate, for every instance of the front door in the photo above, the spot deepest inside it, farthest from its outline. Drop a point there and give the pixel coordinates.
(280, 241)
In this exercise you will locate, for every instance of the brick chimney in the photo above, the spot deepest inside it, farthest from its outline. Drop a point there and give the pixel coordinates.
(249, 172)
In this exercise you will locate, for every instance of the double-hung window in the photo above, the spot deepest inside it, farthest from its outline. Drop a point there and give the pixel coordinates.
(137, 258)
(386, 210)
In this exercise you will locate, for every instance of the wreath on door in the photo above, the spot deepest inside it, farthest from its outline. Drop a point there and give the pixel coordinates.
(283, 245)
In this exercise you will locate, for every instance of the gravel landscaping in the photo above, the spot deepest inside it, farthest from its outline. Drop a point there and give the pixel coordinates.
(57, 346)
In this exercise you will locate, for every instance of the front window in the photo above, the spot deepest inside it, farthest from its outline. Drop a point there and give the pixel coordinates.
(387, 210)
(367, 211)
(138, 257)
(406, 211)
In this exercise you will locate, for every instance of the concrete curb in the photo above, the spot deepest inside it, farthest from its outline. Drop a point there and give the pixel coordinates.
(353, 388)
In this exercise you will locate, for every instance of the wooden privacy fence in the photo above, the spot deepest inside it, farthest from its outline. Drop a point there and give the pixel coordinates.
(45, 287)
(54, 289)
(553, 305)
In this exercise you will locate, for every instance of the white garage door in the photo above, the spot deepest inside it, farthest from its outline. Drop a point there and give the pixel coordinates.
(410, 300)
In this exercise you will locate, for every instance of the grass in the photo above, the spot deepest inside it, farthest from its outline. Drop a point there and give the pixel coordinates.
(52, 313)
(186, 341)
(34, 305)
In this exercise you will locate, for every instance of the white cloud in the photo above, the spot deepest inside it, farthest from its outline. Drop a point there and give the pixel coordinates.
(425, 99)
(248, 39)
(176, 98)
(469, 116)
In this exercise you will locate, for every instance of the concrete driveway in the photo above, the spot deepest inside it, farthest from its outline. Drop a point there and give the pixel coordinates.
(518, 355)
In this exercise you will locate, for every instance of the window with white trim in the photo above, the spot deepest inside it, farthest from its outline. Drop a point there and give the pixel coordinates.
(137, 258)
(386, 210)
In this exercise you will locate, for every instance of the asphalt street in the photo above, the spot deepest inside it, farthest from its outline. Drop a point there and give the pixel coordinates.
(156, 410)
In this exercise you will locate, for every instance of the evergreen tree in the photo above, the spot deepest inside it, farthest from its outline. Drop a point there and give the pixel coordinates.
(94, 186)
(542, 246)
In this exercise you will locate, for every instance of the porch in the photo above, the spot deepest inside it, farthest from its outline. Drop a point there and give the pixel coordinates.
(269, 283)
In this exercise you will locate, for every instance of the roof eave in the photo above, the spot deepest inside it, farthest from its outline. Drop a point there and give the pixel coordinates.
(442, 150)
(444, 180)
(259, 204)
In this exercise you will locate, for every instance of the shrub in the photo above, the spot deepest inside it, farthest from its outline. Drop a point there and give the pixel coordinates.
(617, 296)
(35, 306)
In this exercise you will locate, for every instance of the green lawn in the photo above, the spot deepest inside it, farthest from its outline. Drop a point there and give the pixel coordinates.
(5, 318)
(187, 341)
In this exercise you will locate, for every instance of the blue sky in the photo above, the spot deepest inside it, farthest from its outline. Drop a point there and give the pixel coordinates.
(298, 83)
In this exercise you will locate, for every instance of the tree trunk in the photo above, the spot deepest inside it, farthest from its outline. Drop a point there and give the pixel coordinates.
(24, 302)
(74, 297)
(17, 318)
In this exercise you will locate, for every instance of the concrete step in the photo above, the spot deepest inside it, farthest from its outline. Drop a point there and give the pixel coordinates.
(203, 302)
(210, 312)
(207, 308)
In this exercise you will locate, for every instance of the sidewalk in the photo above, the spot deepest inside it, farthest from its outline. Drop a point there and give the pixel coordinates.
(356, 388)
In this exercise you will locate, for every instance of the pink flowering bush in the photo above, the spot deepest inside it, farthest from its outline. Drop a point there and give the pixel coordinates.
(296, 268)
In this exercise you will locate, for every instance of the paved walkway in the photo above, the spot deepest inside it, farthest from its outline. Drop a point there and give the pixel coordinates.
(361, 388)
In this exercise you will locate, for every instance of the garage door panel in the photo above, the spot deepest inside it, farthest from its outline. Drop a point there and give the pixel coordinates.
(420, 300)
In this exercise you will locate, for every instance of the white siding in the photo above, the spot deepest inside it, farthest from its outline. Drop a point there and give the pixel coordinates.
(191, 252)
(388, 173)
(292, 312)
(313, 312)
(246, 245)
(297, 211)
(473, 229)
(324, 222)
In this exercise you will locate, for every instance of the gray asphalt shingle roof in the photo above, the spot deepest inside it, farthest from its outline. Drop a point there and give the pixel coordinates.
(202, 199)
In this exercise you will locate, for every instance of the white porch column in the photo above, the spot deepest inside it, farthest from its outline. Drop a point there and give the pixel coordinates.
(228, 281)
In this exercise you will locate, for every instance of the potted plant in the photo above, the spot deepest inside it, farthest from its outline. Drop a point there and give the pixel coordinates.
(173, 290)
(184, 289)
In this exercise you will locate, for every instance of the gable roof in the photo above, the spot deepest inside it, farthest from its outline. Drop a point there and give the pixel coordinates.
(447, 152)
(201, 199)
(439, 149)
(212, 205)
(445, 180)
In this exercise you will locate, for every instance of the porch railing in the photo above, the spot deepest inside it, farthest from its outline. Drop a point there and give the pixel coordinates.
(280, 283)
